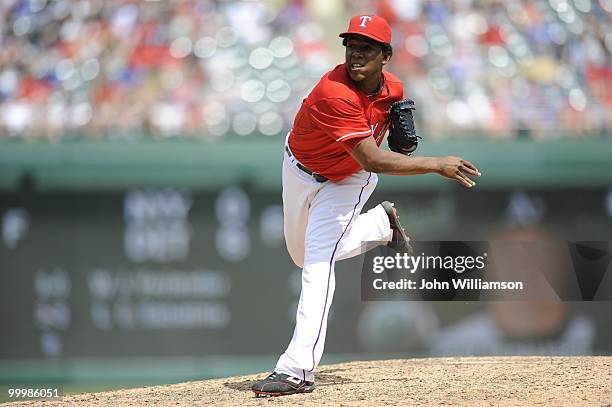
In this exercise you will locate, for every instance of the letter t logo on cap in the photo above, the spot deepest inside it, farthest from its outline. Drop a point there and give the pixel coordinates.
(364, 20)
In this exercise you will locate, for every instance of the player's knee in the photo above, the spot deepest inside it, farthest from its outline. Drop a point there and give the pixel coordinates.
(373, 179)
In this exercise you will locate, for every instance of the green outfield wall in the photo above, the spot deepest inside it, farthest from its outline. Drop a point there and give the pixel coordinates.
(202, 165)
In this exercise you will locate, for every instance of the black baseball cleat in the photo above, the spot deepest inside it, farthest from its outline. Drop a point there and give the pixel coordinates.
(400, 242)
(280, 384)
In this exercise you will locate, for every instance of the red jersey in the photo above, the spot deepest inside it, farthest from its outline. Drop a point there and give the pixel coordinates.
(336, 117)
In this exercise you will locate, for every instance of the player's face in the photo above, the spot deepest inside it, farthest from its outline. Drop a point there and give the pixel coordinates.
(364, 61)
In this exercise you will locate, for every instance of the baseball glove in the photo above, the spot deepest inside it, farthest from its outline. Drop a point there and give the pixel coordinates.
(402, 136)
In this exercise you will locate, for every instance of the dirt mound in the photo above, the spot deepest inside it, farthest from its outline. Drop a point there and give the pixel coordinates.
(569, 381)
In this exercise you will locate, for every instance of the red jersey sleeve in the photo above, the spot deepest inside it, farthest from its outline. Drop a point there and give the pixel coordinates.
(341, 120)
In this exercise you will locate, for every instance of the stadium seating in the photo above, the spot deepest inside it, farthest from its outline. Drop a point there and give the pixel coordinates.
(213, 69)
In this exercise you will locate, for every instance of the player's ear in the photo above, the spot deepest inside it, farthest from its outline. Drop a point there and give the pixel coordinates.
(387, 52)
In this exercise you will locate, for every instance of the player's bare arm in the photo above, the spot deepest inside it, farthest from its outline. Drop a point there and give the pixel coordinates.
(373, 159)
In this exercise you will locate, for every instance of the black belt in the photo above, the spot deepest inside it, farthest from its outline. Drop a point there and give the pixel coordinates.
(316, 176)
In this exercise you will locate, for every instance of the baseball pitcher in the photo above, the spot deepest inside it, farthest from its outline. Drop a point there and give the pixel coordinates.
(331, 159)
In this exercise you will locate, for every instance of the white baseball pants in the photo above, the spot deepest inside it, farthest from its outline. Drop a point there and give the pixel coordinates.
(323, 224)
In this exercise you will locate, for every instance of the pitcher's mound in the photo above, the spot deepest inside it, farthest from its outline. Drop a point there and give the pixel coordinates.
(482, 381)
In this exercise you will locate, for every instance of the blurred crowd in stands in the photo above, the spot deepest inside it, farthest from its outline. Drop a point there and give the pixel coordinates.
(122, 69)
